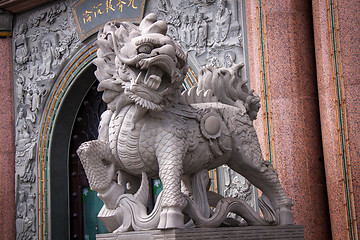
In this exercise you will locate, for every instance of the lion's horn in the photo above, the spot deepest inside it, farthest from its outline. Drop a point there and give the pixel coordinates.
(150, 24)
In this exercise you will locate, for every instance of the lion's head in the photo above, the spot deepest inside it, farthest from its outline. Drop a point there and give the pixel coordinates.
(148, 65)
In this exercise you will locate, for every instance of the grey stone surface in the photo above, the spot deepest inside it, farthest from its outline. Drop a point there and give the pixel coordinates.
(42, 42)
(152, 128)
(245, 233)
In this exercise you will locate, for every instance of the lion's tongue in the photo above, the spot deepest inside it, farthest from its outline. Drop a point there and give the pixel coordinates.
(153, 77)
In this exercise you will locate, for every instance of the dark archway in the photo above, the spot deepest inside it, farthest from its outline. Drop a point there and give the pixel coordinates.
(61, 212)
(84, 203)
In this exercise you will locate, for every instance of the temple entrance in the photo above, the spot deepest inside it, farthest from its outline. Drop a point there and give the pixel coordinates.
(74, 207)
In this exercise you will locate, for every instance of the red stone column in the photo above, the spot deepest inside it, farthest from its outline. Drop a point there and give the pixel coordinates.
(7, 145)
(337, 41)
(282, 71)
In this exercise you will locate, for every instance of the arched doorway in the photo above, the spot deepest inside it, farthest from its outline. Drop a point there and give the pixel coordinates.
(78, 83)
(76, 122)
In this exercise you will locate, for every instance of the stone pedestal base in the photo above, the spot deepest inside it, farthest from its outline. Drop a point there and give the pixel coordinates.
(248, 233)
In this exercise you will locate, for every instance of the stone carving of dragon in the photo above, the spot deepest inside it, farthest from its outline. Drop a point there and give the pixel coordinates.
(152, 130)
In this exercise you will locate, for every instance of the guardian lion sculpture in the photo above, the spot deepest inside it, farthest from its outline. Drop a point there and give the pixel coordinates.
(152, 130)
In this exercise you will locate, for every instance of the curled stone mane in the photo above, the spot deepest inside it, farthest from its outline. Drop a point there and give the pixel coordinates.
(229, 87)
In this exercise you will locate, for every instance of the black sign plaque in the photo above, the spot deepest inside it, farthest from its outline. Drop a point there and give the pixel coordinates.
(90, 15)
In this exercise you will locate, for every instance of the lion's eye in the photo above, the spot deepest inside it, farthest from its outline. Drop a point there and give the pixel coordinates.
(146, 48)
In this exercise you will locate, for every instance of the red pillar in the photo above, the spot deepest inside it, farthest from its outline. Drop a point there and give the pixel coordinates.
(337, 40)
(283, 72)
(7, 143)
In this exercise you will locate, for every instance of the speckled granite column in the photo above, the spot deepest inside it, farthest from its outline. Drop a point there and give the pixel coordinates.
(282, 66)
(7, 148)
(337, 41)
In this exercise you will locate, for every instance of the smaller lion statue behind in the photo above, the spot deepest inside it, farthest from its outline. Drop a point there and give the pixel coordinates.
(153, 130)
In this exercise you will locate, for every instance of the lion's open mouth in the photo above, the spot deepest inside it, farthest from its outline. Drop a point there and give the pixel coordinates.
(153, 80)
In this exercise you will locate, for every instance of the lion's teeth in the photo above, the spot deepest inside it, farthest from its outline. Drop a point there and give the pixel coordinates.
(138, 78)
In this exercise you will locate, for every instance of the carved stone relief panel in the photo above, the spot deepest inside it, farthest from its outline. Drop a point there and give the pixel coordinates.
(42, 41)
(210, 30)
(231, 184)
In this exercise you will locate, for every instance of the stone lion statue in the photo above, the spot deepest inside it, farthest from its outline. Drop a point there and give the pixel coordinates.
(152, 130)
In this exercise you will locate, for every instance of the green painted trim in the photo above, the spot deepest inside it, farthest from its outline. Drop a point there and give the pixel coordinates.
(342, 131)
(266, 96)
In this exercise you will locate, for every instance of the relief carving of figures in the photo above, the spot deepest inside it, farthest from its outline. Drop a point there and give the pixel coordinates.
(36, 99)
(230, 59)
(236, 186)
(190, 32)
(47, 57)
(70, 37)
(42, 41)
(51, 36)
(32, 101)
(162, 5)
(22, 127)
(222, 20)
(22, 53)
(20, 88)
(54, 12)
(27, 154)
(201, 33)
(213, 62)
(25, 149)
(241, 39)
(203, 28)
(183, 29)
(34, 63)
(25, 214)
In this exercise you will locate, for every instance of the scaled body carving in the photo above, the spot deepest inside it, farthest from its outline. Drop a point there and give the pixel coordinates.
(153, 130)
